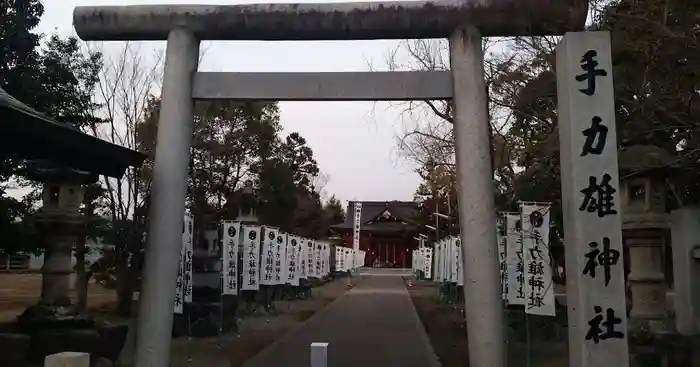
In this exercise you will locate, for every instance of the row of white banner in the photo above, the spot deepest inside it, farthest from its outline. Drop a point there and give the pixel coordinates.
(265, 256)
(525, 262)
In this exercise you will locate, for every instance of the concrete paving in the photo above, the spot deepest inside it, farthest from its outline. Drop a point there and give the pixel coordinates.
(373, 325)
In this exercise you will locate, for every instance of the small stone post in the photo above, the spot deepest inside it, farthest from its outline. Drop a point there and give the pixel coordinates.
(319, 354)
(67, 359)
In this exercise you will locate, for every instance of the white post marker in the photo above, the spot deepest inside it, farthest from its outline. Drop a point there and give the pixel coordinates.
(319, 354)
(591, 202)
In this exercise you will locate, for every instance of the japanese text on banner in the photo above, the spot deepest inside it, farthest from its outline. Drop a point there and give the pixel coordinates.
(229, 251)
(267, 258)
(514, 260)
(251, 256)
(292, 268)
(539, 287)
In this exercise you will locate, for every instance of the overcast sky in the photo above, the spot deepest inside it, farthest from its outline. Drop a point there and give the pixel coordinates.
(354, 142)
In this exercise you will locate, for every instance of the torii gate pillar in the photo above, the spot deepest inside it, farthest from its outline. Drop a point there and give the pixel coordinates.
(464, 22)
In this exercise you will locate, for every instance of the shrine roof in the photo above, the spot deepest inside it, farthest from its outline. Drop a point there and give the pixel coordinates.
(28, 134)
(382, 216)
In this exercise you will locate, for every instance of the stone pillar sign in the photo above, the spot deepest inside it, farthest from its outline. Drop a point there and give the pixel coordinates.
(591, 202)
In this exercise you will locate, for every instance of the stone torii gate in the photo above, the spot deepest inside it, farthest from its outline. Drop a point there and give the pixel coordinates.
(463, 22)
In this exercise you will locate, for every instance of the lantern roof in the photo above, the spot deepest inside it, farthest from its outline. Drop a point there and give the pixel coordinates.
(28, 134)
(646, 159)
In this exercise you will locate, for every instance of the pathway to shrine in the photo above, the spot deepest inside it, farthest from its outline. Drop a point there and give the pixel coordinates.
(373, 325)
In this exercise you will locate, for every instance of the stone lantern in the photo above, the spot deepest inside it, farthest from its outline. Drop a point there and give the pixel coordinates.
(59, 223)
(645, 224)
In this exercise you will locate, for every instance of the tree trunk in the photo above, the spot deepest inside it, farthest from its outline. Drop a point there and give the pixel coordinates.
(125, 287)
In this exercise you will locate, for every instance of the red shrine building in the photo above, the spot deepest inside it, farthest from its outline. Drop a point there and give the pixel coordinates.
(387, 231)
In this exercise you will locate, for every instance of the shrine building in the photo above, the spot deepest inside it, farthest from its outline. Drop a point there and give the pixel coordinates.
(387, 231)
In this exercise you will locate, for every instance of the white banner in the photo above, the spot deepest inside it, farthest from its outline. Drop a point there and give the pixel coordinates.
(454, 259)
(181, 283)
(301, 258)
(340, 258)
(326, 258)
(448, 259)
(229, 253)
(309, 253)
(318, 259)
(446, 263)
(280, 259)
(539, 288)
(437, 261)
(251, 258)
(349, 258)
(357, 224)
(414, 258)
(428, 262)
(188, 240)
(501, 239)
(267, 255)
(458, 263)
(292, 260)
(514, 259)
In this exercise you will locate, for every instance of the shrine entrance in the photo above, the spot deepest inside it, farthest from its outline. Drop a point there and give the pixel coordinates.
(463, 22)
(386, 231)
